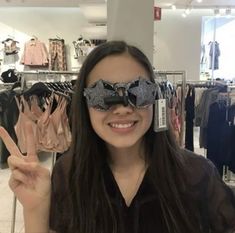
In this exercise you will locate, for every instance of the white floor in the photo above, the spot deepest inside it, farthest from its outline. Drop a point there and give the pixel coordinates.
(7, 199)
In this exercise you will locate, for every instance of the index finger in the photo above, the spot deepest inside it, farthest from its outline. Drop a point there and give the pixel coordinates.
(9, 143)
(31, 143)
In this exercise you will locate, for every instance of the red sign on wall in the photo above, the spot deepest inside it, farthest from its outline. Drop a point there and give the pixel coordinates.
(157, 13)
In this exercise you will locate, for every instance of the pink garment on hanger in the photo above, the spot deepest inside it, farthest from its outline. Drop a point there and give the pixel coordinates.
(35, 53)
(25, 117)
(61, 125)
(47, 138)
(51, 129)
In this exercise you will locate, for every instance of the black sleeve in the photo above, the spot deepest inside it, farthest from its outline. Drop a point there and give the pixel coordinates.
(221, 206)
(60, 209)
(215, 199)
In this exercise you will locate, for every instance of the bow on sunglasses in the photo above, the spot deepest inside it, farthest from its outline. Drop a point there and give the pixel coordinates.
(139, 93)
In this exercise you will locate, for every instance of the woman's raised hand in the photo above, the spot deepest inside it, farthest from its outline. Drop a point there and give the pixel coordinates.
(29, 181)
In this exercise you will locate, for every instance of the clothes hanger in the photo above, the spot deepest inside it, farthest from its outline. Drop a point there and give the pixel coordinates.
(16, 84)
(33, 38)
(39, 89)
(56, 88)
(58, 38)
(9, 38)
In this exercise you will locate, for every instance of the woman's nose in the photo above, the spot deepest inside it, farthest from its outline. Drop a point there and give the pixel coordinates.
(120, 109)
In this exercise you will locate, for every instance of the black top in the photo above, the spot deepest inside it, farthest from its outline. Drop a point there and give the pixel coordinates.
(214, 199)
(9, 76)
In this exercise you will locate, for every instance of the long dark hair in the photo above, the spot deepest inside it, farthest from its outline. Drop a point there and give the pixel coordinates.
(92, 210)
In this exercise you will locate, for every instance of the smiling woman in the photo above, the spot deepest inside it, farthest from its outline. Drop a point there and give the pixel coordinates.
(120, 176)
(122, 126)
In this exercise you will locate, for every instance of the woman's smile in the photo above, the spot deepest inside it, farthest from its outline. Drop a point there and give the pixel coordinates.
(123, 127)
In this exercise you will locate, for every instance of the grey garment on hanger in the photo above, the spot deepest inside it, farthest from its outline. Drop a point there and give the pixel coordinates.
(216, 54)
(202, 113)
(209, 96)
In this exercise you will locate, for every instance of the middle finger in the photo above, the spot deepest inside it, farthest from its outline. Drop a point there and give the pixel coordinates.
(10, 144)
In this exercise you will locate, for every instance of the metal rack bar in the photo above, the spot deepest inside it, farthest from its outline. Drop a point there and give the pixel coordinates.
(53, 160)
(183, 91)
(13, 214)
(170, 72)
(48, 72)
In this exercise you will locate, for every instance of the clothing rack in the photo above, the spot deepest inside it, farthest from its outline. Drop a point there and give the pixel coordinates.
(23, 81)
(198, 83)
(182, 75)
(202, 84)
(43, 72)
(226, 91)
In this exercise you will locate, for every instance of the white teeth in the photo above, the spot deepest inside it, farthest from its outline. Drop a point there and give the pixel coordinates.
(121, 126)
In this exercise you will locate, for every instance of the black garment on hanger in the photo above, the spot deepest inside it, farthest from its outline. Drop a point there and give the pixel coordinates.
(215, 141)
(8, 117)
(9, 76)
(190, 114)
(231, 119)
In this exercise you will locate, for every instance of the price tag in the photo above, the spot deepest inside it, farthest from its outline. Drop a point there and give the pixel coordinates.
(160, 115)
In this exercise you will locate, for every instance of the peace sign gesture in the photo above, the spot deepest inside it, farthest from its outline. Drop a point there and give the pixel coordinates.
(29, 181)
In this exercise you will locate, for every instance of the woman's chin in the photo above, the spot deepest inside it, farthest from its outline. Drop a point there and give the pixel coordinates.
(123, 144)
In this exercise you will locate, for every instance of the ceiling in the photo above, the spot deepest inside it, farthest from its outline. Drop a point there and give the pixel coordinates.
(96, 10)
(195, 4)
(49, 3)
(76, 3)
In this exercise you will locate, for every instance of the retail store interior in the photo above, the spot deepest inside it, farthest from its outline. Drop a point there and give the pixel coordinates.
(190, 44)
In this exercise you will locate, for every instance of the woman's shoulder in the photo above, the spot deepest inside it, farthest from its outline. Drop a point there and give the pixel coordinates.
(200, 172)
(196, 161)
(205, 182)
(192, 157)
(207, 187)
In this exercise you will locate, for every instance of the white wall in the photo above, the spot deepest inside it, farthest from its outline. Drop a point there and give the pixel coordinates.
(45, 23)
(177, 42)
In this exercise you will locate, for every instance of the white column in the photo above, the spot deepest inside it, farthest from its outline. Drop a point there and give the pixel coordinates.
(132, 21)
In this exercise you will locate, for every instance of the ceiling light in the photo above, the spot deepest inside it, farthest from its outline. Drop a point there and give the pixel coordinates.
(187, 11)
(199, 1)
(173, 7)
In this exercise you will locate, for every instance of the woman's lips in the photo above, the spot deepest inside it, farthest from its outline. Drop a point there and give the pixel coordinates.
(122, 126)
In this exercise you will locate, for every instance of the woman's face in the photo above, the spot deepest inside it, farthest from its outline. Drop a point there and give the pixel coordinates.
(120, 126)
